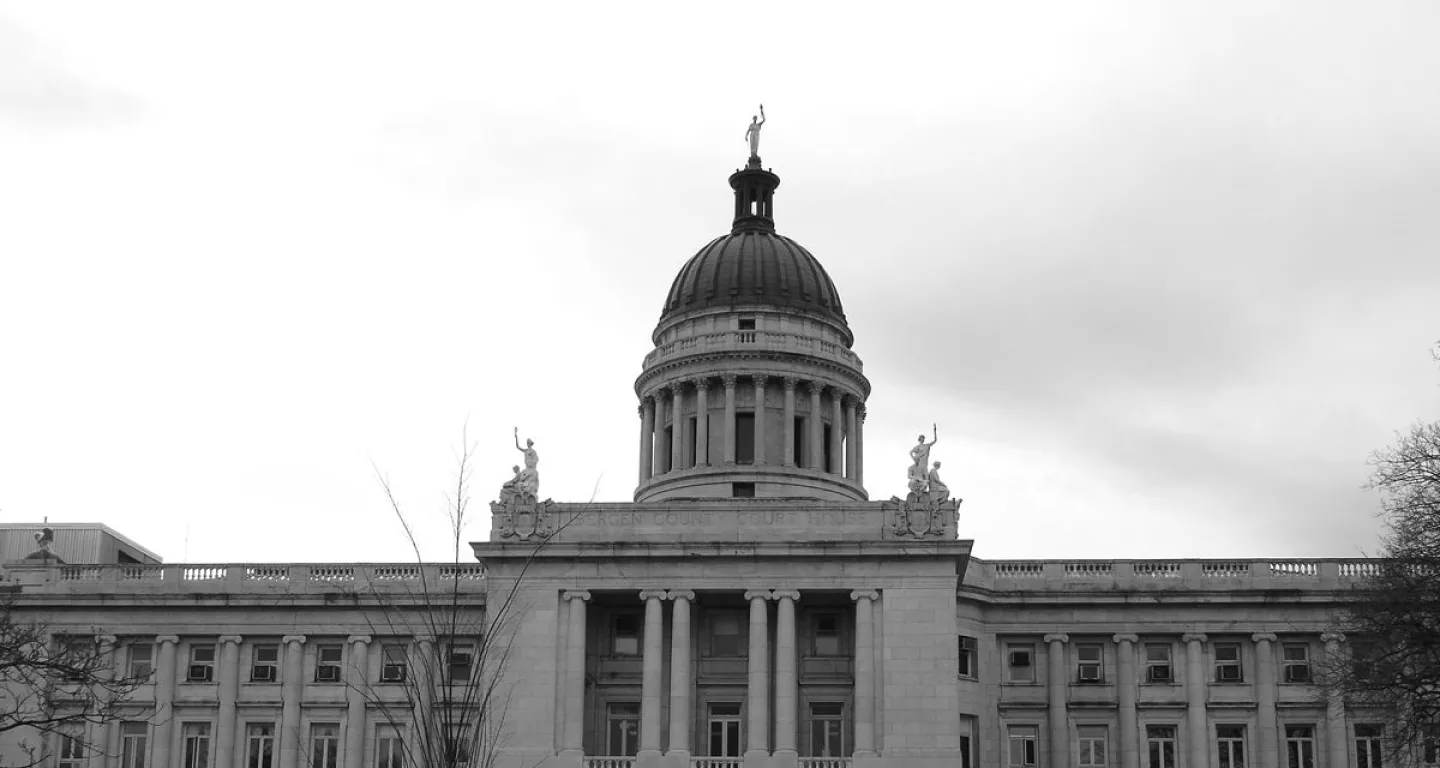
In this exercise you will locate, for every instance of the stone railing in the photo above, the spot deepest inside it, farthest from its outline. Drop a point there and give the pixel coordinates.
(1046, 575)
(609, 762)
(717, 762)
(394, 578)
(824, 762)
(753, 341)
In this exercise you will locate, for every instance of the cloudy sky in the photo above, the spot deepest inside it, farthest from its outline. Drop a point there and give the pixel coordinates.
(1164, 274)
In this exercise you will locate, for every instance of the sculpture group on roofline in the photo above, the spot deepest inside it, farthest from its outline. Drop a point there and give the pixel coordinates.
(926, 482)
(519, 513)
(526, 483)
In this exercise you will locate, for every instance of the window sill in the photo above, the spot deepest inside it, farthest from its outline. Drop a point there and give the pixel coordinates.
(1022, 683)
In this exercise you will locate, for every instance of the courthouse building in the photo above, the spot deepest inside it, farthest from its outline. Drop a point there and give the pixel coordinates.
(752, 607)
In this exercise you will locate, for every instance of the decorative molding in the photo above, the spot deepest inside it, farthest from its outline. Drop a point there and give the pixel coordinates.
(230, 639)
(652, 594)
(791, 594)
(701, 384)
(760, 380)
(1058, 637)
(1193, 637)
(790, 382)
(680, 594)
(1126, 638)
(106, 639)
(576, 594)
(865, 594)
(815, 388)
(1264, 637)
(729, 380)
(758, 594)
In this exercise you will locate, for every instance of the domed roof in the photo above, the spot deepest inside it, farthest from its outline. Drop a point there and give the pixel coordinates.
(754, 268)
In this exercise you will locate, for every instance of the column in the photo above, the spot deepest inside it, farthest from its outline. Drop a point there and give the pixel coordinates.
(864, 671)
(729, 381)
(164, 699)
(428, 672)
(291, 691)
(1195, 688)
(647, 438)
(837, 434)
(110, 741)
(677, 428)
(860, 444)
(813, 445)
(1125, 684)
(760, 380)
(358, 683)
(702, 422)
(229, 689)
(787, 682)
(1267, 743)
(788, 449)
(680, 676)
(1335, 745)
(1056, 687)
(661, 451)
(850, 438)
(758, 722)
(652, 666)
(574, 741)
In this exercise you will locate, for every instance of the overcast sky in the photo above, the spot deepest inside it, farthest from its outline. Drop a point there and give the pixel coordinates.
(1164, 274)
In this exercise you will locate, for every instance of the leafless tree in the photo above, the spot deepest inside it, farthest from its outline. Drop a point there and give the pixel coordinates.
(55, 688)
(1389, 665)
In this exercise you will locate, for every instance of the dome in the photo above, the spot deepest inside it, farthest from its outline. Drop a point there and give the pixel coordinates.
(754, 268)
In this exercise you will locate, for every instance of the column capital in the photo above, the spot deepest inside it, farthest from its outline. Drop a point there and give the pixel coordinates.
(814, 387)
(662, 390)
(1193, 637)
(1126, 638)
(223, 639)
(1264, 637)
(790, 382)
(652, 594)
(106, 639)
(1332, 638)
(680, 594)
(758, 594)
(860, 411)
(576, 594)
(640, 409)
(729, 380)
(171, 639)
(297, 639)
(865, 594)
(701, 383)
(760, 379)
(850, 399)
(1058, 637)
(790, 594)
(361, 639)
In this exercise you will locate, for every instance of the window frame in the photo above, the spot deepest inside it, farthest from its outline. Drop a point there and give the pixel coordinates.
(388, 662)
(841, 722)
(1299, 746)
(1095, 666)
(195, 734)
(1028, 649)
(140, 668)
(1220, 665)
(1082, 740)
(1152, 664)
(1301, 667)
(455, 649)
(324, 744)
(1230, 745)
(1028, 737)
(260, 744)
(257, 664)
(329, 670)
(70, 746)
(628, 721)
(966, 657)
(197, 649)
(838, 634)
(131, 733)
(389, 745)
(1370, 744)
(712, 619)
(726, 720)
(1157, 736)
(615, 635)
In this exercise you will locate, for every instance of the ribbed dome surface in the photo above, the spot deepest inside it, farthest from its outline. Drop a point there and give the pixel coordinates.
(753, 268)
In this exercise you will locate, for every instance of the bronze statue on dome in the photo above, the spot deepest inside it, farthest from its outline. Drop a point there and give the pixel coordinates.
(752, 134)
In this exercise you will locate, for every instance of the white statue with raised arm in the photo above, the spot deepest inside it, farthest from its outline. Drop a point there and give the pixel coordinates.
(752, 134)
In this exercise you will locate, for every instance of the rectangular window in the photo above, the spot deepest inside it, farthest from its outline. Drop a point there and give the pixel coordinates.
(76, 654)
(967, 656)
(827, 730)
(460, 661)
(825, 450)
(1430, 745)
(1157, 663)
(1091, 667)
(71, 748)
(260, 745)
(324, 745)
(1368, 740)
(457, 746)
(134, 740)
(724, 730)
(327, 662)
(1230, 742)
(394, 663)
(1160, 746)
(1300, 746)
(1227, 663)
(693, 456)
(966, 759)
(725, 638)
(196, 741)
(1093, 751)
(624, 728)
(742, 490)
(264, 663)
(825, 637)
(797, 448)
(389, 746)
(747, 323)
(1022, 749)
(202, 664)
(1363, 655)
(625, 634)
(1296, 659)
(744, 438)
(142, 661)
(1020, 662)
